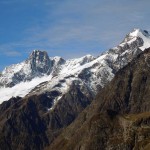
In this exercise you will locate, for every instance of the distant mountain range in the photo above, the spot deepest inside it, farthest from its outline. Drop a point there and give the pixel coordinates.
(42, 95)
(92, 73)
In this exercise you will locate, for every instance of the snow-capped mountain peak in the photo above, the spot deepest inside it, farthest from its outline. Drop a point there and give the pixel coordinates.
(139, 33)
(37, 65)
(139, 36)
(144, 35)
(88, 72)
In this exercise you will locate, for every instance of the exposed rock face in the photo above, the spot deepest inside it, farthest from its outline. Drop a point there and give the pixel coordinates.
(40, 62)
(119, 118)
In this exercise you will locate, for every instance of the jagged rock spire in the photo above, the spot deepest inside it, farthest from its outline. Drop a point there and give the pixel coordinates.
(40, 61)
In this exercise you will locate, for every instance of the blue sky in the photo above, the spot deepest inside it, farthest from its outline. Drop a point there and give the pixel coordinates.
(67, 28)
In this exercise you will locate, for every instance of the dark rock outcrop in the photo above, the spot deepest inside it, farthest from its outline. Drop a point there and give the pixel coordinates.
(40, 62)
(28, 123)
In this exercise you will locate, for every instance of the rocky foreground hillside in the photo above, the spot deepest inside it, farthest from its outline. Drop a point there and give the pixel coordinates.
(118, 118)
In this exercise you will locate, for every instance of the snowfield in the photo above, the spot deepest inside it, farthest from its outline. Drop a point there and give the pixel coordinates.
(21, 89)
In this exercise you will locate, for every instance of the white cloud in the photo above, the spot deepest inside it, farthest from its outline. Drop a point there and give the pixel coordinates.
(12, 53)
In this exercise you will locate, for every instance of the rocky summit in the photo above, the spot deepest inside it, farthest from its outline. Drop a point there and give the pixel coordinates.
(43, 95)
